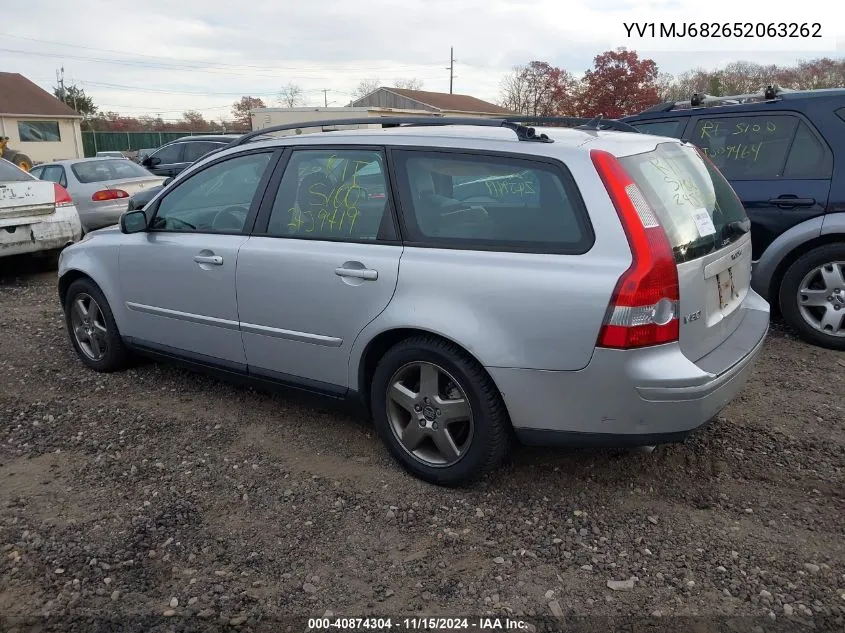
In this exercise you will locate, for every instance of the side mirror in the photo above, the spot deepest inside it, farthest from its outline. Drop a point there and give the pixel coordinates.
(167, 181)
(133, 222)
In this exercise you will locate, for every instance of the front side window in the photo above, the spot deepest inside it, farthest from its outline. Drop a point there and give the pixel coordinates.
(333, 194)
(747, 147)
(502, 203)
(169, 154)
(39, 131)
(214, 200)
(108, 169)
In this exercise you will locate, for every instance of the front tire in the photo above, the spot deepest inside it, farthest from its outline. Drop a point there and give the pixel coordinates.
(438, 412)
(92, 328)
(812, 296)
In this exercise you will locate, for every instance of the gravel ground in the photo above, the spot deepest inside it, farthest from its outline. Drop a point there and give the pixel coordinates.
(167, 500)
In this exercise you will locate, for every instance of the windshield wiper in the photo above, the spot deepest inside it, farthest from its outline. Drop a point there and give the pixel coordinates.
(737, 227)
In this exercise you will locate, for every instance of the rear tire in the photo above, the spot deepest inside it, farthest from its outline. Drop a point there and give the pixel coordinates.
(92, 328)
(439, 413)
(23, 161)
(821, 275)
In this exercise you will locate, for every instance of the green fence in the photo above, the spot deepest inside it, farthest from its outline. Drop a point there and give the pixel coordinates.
(94, 142)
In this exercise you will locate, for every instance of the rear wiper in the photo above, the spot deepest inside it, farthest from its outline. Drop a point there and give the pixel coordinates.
(737, 227)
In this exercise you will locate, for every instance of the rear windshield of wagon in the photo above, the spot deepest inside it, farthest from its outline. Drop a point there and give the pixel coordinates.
(696, 206)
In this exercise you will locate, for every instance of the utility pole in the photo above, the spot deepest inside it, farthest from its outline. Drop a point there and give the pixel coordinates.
(326, 98)
(60, 80)
(451, 68)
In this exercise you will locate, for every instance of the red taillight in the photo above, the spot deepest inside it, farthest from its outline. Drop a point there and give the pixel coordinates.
(63, 198)
(644, 307)
(109, 194)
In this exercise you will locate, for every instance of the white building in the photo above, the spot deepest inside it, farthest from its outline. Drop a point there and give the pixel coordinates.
(36, 123)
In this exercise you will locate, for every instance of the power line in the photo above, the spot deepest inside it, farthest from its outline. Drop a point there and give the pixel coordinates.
(212, 68)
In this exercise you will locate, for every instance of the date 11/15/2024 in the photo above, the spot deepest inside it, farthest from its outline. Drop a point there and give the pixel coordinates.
(724, 29)
(419, 623)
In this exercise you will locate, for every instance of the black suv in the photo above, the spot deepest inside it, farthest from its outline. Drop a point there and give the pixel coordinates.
(172, 158)
(784, 154)
(188, 148)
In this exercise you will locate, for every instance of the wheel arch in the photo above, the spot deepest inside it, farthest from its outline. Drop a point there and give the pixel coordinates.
(789, 258)
(379, 345)
(68, 278)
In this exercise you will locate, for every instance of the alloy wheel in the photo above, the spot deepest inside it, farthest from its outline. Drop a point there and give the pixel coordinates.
(821, 298)
(89, 327)
(429, 414)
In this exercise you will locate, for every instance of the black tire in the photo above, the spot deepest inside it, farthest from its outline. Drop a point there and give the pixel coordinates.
(115, 356)
(22, 160)
(491, 435)
(788, 294)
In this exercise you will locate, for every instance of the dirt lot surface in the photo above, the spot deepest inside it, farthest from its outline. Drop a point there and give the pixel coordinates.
(158, 500)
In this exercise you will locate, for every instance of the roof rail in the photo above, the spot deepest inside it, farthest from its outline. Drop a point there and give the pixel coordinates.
(698, 100)
(523, 133)
(581, 123)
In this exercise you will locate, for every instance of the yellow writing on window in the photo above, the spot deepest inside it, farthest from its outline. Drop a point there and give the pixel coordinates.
(738, 151)
(335, 208)
(683, 189)
(743, 128)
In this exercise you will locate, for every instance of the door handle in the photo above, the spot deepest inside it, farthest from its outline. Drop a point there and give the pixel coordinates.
(214, 260)
(358, 273)
(786, 201)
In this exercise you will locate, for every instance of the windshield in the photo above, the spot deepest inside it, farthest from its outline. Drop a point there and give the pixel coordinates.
(109, 169)
(696, 206)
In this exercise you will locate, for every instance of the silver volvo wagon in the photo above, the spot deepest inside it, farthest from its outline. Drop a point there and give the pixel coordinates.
(470, 283)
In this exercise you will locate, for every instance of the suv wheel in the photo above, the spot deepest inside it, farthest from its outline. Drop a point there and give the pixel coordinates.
(439, 412)
(812, 296)
(93, 331)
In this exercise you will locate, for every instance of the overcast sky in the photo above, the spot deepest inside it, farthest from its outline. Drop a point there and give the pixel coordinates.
(154, 56)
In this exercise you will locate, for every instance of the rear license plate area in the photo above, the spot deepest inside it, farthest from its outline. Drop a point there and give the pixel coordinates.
(726, 287)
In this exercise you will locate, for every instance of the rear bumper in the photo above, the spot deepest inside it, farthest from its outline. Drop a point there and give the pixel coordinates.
(625, 398)
(44, 233)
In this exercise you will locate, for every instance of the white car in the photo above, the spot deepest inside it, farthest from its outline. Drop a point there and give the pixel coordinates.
(36, 216)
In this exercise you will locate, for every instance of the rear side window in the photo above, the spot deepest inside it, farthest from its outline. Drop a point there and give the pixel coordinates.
(108, 169)
(169, 154)
(12, 173)
(696, 206)
(661, 128)
(808, 158)
(54, 173)
(492, 203)
(748, 147)
(196, 150)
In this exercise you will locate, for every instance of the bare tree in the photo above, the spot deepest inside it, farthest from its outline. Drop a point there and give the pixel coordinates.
(412, 83)
(365, 87)
(290, 96)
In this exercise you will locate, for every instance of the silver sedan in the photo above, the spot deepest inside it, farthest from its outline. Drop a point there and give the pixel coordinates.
(99, 187)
